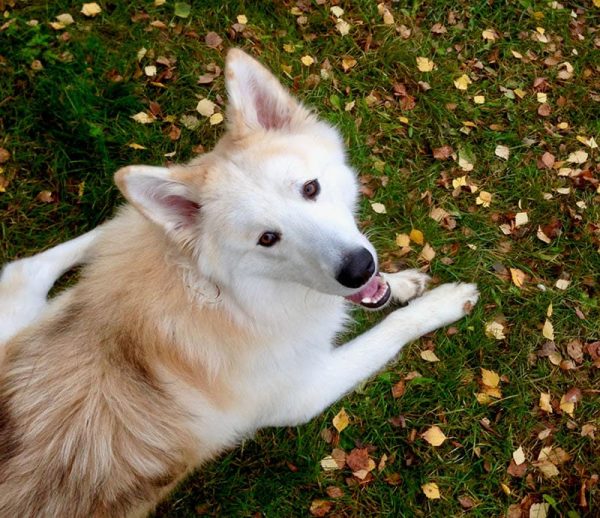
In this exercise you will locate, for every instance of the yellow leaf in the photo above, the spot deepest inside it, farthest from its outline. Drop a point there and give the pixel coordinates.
(461, 181)
(434, 436)
(133, 145)
(242, 19)
(91, 9)
(416, 236)
(150, 70)
(431, 491)
(215, 119)
(578, 157)
(549, 310)
(505, 488)
(402, 240)
(479, 99)
(567, 405)
(548, 330)
(483, 398)
(562, 284)
(307, 60)
(289, 48)
(484, 198)
(542, 97)
(465, 165)
(348, 62)
(424, 64)
(490, 378)
(429, 356)
(520, 93)
(329, 464)
(519, 456)
(341, 420)
(403, 120)
(517, 276)
(547, 469)
(463, 82)
(516, 54)
(343, 27)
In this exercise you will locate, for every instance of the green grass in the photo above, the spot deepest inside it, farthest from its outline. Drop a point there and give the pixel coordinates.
(68, 127)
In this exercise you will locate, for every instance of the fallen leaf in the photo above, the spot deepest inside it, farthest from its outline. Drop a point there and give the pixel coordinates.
(484, 198)
(495, 330)
(479, 99)
(190, 122)
(424, 64)
(518, 277)
(334, 492)
(320, 507)
(547, 469)
(569, 399)
(398, 389)
(548, 330)
(428, 253)
(519, 456)
(91, 9)
(544, 110)
(45, 197)
(515, 470)
(490, 378)
(544, 403)
(133, 145)
(416, 236)
(205, 107)
(343, 27)
(466, 502)
(463, 82)
(341, 420)
(589, 430)
(443, 153)
(431, 491)
(329, 464)
(307, 60)
(489, 34)
(578, 157)
(336, 11)
(521, 218)
(429, 356)
(348, 62)
(242, 19)
(388, 17)
(502, 152)
(465, 164)
(379, 208)
(182, 9)
(547, 160)
(150, 70)
(4, 155)
(434, 436)
(539, 510)
(143, 118)
(505, 488)
(213, 40)
(402, 240)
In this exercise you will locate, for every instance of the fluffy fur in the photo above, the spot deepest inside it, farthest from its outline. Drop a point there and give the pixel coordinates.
(183, 335)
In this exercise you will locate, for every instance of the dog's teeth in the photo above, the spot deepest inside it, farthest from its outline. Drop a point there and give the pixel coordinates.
(367, 300)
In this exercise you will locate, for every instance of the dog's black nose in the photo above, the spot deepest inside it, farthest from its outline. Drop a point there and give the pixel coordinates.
(357, 268)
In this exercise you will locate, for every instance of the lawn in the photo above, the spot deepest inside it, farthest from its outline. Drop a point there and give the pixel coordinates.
(474, 129)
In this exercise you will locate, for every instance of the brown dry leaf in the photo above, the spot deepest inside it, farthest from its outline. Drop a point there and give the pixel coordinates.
(544, 403)
(431, 491)
(515, 470)
(398, 389)
(542, 236)
(4, 155)
(45, 197)
(359, 462)
(589, 430)
(348, 62)
(416, 236)
(334, 492)
(320, 507)
(438, 28)
(341, 420)
(388, 17)
(393, 479)
(575, 350)
(569, 399)
(466, 502)
(544, 110)
(518, 277)
(429, 356)
(547, 160)
(213, 40)
(443, 152)
(434, 436)
(557, 455)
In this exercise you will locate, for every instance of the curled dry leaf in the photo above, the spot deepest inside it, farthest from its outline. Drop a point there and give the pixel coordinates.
(518, 277)
(428, 253)
(443, 152)
(545, 402)
(548, 330)
(490, 378)
(495, 330)
(416, 236)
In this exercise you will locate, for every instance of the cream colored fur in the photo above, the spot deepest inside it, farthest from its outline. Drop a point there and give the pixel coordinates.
(183, 336)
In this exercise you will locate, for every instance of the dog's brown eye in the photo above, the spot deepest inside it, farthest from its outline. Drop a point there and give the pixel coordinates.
(311, 189)
(269, 238)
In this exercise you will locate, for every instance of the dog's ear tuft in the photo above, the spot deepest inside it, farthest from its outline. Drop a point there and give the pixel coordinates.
(158, 196)
(257, 100)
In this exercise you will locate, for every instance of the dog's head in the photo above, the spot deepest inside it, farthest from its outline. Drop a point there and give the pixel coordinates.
(274, 201)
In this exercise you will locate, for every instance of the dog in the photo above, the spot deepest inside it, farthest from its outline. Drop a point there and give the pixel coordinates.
(206, 309)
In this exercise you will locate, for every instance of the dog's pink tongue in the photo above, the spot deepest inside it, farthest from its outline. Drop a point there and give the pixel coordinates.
(367, 291)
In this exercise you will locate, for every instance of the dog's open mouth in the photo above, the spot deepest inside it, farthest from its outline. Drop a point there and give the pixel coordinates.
(373, 295)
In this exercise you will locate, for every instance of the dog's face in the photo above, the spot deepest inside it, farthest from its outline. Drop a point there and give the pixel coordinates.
(274, 201)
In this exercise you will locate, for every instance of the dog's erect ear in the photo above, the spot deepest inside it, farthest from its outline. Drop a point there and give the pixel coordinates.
(159, 196)
(257, 100)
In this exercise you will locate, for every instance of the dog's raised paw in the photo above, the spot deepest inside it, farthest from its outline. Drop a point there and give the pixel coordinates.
(449, 302)
(407, 285)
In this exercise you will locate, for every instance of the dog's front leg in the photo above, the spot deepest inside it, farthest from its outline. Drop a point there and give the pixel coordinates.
(341, 369)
